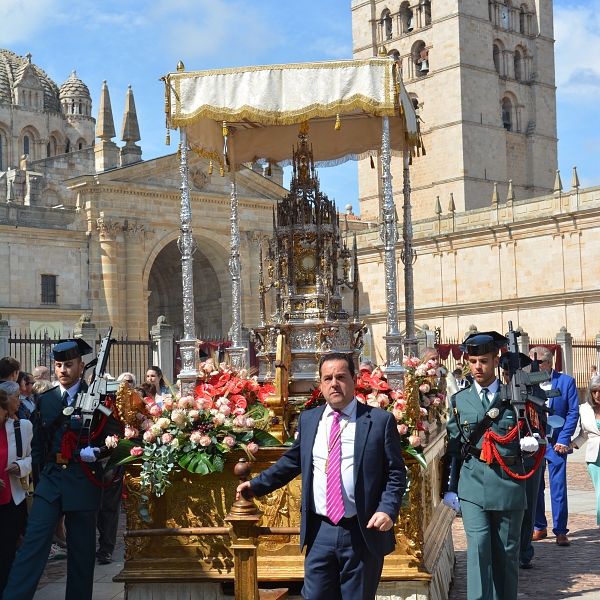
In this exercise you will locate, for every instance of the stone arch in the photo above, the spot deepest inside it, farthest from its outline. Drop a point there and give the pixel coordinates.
(33, 137)
(387, 28)
(510, 111)
(56, 143)
(498, 56)
(420, 59)
(80, 144)
(406, 17)
(212, 284)
(5, 146)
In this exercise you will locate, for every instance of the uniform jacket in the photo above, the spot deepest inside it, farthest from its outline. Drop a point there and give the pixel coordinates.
(487, 486)
(589, 432)
(70, 482)
(566, 405)
(379, 472)
(18, 493)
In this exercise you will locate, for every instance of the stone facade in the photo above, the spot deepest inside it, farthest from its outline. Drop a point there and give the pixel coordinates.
(485, 96)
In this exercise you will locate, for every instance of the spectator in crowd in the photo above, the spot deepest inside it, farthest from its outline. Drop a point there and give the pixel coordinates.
(462, 383)
(41, 373)
(39, 387)
(128, 377)
(366, 367)
(147, 390)
(27, 406)
(593, 371)
(9, 369)
(566, 406)
(155, 376)
(15, 463)
(589, 422)
(12, 389)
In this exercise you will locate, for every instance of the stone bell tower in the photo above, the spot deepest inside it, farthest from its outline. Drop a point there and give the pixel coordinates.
(481, 75)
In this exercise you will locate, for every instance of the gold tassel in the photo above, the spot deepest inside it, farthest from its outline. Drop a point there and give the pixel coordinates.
(338, 123)
(225, 132)
(210, 168)
(372, 163)
(168, 140)
(222, 172)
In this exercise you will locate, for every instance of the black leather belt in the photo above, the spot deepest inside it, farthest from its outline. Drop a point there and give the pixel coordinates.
(509, 461)
(342, 521)
(59, 460)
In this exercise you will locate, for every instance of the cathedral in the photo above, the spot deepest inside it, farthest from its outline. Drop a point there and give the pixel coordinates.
(89, 227)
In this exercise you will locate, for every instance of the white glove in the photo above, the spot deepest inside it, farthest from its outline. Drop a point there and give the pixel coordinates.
(88, 454)
(529, 444)
(451, 500)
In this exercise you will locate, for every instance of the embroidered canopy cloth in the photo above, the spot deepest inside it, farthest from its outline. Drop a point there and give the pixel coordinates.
(264, 106)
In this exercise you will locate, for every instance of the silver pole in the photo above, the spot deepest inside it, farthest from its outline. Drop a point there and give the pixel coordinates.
(408, 257)
(188, 345)
(236, 352)
(389, 236)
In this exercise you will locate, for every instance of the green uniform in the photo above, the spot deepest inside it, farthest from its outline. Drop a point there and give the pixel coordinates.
(63, 488)
(492, 502)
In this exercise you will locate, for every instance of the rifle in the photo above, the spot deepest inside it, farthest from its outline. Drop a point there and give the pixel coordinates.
(87, 403)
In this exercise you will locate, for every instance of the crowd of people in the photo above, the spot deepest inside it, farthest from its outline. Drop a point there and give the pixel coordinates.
(50, 507)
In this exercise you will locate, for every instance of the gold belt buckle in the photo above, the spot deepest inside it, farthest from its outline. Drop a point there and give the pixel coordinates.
(60, 460)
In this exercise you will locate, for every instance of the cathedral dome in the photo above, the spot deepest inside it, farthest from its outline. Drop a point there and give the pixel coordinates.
(74, 88)
(13, 68)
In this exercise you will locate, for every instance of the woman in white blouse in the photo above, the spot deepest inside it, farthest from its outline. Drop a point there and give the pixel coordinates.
(13, 508)
(589, 422)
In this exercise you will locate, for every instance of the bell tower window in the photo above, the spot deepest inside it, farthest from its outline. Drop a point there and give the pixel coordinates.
(26, 144)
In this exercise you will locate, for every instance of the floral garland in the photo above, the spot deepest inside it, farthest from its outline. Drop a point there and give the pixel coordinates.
(226, 413)
(430, 379)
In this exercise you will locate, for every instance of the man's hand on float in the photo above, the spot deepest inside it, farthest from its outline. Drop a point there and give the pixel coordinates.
(529, 444)
(451, 500)
(88, 454)
(381, 521)
(244, 490)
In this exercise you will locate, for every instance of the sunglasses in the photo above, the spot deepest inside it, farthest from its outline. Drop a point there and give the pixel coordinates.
(129, 381)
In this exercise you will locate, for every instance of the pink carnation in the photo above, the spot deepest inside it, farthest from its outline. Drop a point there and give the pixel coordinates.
(239, 421)
(193, 414)
(205, 441)
(166, 438)
(195, 437)
(219, 419)
(250, 422)
(136, 451)
(149, 436)
(186, 402)
(414, 441)
(424, 388)
(402, 429)
(130, 432)
(398, 414)
(253, 447)
(168, 402)
(229, 441)
(156, 410)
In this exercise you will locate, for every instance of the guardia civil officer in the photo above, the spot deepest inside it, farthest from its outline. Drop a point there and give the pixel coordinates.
(67, 486)
(491, 501)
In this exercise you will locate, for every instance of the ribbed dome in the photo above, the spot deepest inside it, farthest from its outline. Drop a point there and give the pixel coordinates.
(74, 87)
(11, 69)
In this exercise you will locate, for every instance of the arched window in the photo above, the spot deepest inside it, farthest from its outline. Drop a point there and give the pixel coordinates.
(26, 144)
(48, 150)
(1, 169)
(386, 21)
(497, 57)
(406, 18)
(506, 114)
(427, 12)
(518, 62)
(68, 146)
(522, 22)
(421, 59)
(80, 108)
(80, 145)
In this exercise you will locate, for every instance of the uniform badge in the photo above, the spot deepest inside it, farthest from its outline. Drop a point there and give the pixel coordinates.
(493, 413)
(68, 410)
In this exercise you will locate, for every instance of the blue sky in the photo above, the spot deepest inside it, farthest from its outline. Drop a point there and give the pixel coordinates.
(137, 42)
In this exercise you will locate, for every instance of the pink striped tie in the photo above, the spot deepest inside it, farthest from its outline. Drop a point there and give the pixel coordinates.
(335, 502)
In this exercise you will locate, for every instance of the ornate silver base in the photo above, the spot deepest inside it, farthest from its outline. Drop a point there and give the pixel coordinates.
(189, 351)
(237, 357)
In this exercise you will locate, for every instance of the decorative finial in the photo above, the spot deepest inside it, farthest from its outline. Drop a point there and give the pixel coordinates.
(28, 57)
(575, 179)
(382, 51)
(511, 193)
(495, 194)
(129, 87)
(558, 186)
(438, 206)
(104, 81)
(74, 74)
(180, 66)
(451, 205)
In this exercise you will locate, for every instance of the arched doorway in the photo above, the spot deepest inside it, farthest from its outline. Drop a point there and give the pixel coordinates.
(166, 296)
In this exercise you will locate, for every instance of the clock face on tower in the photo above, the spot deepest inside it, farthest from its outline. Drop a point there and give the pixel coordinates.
(505, 17)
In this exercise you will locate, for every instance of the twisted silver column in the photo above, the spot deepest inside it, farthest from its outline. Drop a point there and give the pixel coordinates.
(389, 236)
(188, 345)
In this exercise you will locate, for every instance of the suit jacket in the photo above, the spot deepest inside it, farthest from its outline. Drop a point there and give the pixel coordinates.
(589, 432)
(69, 482)
(487, 486)
(379, 472)
(18, 493)
(566, 405)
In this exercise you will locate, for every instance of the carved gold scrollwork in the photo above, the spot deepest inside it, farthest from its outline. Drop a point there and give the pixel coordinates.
(409, 531)
(135, 546)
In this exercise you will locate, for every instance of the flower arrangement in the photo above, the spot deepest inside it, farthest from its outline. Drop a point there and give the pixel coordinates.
(373, 389)
(227, 412)
(427, 375)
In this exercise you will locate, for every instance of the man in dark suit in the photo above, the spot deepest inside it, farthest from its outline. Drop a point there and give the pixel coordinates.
(69, 485)
(352, 486)
(566, 406)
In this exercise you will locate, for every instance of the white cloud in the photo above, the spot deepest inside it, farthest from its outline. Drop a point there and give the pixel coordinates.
(22, 20)
(577, 33)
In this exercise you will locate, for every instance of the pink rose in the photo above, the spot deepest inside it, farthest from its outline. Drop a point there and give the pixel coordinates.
(225, 410)
(431, 372)
(163, 423)
(219, 419)
(166, 438)
(253, 447)
(149, 436)
(186, 402)
(383, 400)
(239, 421)
(111, 441)
(156, 429)
(136, 451)
(250, 423)
(397, 395)
(414, 441)
(398, 414)
(195, 437)
(178, 417)
(168, 403)
(229, 441)
(205, 441)
(424, 388)
(193, 414)
(423, 411)
(156, 410)
(402, 429)
(130, 432)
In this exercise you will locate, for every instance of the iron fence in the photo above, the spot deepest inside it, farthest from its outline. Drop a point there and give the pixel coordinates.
(132, 356)
(585, 354)
(32, 350)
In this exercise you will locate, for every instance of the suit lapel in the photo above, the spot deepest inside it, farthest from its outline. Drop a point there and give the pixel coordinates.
(310, 425)
(474, 399)
(361, 432)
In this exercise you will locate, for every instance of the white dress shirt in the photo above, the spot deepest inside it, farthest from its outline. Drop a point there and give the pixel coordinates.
(72, 391)
(320, 457)
(492, 389)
